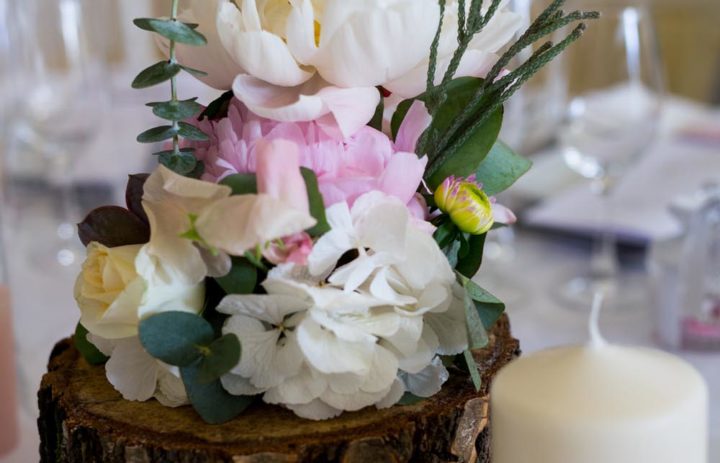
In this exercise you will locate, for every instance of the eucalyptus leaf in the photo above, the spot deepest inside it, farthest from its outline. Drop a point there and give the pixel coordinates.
(469, 262)
(182, 162)
(172, 30)
(501, 168)
(113, 226)
(241, 279)
(473, 369)
(191, 132)
(213, 403)
(176, 338)
(477, 335)
(193, 71)
(90, 353)
(317, 205)
(157, 134)
(156, 74)
(176, 110)
(224, 355)
(241, 184)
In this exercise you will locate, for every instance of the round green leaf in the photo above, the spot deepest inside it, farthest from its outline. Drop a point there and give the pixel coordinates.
(156, 74)
(241, 279)
(191, 132)
(181, 162)
(213, 403)
(157, 134)
(176, 110)
(175, 337)
(90, 353)
(224, 355)
(172, 30)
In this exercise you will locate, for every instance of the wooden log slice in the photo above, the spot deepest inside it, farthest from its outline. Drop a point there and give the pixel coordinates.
(83, 419)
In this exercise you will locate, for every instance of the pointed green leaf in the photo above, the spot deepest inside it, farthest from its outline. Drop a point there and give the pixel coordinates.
(469, 261)
(193, 71)
(489, 307)
(191, 132)
(473, 369)
(90, 353)
(241, 184)
(213, 403)
(477, 335)
(182, 162)
(172, 30)
(241, 279)
(317, 206)
(501, 168)
(175, 110)
(224, 355)
(156, 74)
(175, 337)
(157, 134)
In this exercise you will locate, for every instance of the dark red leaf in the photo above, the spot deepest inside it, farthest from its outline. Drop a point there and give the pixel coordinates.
(134, 193)
(113, 226)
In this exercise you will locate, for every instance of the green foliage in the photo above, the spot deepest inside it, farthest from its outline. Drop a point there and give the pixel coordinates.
(241, 279)
(175, 110)
(113, 226)
(156, 74)
(410, 399)
(212, 402)
(241, 184)
(477, 335)
(501, 168)
(377, 119)
(190, 132)
(193, 71)
(90, 353)
(176, 338)
(317, 206)
(473, 369)
(223, 355)
(158, 134)
(173, 30)
(470, 254)
(183, 161)
(489, 307)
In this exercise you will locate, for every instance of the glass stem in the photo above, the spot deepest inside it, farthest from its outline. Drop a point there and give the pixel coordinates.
(604, 261)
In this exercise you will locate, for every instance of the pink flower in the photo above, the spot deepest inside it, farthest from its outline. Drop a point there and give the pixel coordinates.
(294, 249)
(346, 168)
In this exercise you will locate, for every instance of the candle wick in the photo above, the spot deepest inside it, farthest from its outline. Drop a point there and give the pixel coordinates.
(596, 338)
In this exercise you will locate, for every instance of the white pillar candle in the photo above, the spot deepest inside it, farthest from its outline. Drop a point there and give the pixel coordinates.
(599, 404)
(8, 401)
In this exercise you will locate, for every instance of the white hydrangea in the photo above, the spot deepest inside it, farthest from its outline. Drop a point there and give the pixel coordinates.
(360, 325)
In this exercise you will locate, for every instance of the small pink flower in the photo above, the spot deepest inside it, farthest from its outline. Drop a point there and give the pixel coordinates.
(293, 249)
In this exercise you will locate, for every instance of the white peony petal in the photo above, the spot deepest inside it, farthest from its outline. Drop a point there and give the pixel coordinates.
(450, 327)
(355, 401)
(299, 389)
(263, 54)
(423, 354)
(301, 31)
(271, 308)
(132, 371)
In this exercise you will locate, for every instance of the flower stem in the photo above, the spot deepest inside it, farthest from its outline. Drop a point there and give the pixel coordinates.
(173, 82)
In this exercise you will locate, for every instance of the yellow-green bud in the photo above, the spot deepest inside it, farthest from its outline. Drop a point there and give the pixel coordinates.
(467, 205)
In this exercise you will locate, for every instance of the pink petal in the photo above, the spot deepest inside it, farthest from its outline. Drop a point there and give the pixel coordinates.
(502, 214)
(278, 173)
(403, 175)
(352, 108)
(416, 121)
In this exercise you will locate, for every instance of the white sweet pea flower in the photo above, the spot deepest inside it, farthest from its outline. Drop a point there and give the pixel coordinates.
(117, 287)
(137, 375)
(327, 339)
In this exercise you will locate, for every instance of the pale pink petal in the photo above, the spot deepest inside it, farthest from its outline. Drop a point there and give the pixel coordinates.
(278, 173)
(416, 121)
(352, 108)
(402, 175)
(502, 214)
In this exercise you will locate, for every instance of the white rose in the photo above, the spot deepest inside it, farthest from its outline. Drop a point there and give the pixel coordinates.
(113, 296)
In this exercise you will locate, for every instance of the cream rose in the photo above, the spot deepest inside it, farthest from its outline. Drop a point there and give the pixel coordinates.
(113, 296)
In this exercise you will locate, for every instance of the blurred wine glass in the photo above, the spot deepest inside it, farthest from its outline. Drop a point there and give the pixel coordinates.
(614, 93)
(60, 100)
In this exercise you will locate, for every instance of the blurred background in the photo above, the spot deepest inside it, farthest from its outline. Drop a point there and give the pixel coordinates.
(624, 196)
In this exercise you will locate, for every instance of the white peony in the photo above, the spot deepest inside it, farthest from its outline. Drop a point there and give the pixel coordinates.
(136, 375)
(117, 287)
(327, 339)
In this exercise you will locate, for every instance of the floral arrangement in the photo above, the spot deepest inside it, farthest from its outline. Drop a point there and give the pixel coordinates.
(310, 237)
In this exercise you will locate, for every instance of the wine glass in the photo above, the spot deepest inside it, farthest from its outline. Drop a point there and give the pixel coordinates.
(614, 94)
(61, 107)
